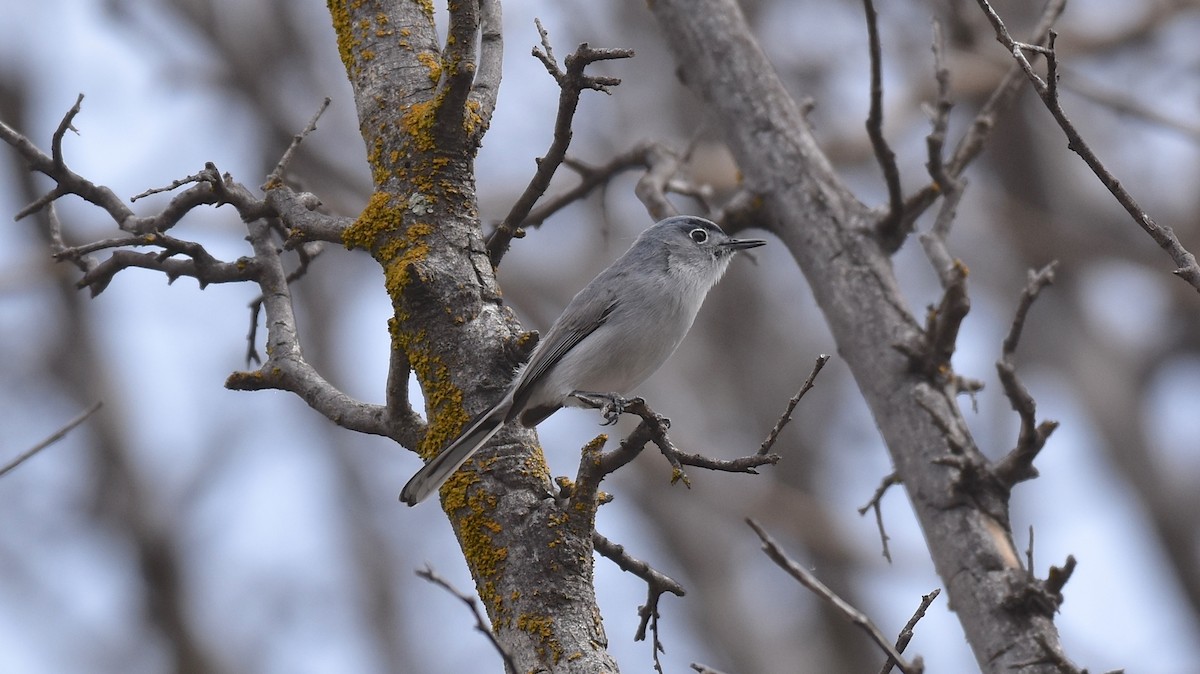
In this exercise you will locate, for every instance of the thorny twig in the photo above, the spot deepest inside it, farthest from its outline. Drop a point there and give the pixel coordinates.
(276, 174)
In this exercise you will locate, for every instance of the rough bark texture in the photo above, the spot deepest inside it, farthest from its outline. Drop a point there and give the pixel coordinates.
(962, 511)
(531, 560)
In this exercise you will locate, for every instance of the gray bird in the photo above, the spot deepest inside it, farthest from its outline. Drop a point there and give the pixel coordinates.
(613, 335)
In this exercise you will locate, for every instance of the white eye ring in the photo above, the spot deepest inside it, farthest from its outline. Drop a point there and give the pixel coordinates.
(698, 235)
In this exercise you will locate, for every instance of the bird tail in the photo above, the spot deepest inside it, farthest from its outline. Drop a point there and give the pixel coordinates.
(437, 471)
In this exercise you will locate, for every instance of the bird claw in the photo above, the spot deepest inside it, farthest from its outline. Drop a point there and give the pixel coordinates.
(611, 405)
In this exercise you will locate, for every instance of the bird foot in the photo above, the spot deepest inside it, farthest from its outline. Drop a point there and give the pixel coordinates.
(611, 405)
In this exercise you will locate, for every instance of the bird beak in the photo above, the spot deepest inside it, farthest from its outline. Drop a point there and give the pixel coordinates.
(742, 244)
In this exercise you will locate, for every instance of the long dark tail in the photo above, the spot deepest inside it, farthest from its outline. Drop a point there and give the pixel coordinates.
(433, 474)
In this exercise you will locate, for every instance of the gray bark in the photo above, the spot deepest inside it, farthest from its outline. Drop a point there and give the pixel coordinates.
(962, 510)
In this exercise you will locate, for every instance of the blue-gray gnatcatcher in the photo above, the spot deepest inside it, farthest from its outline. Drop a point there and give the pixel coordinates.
(613, 335)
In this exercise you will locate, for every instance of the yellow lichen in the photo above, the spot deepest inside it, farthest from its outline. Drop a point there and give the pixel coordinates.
(417, 121)
(348, 41)
(476, 532)
(433, 64)
(543, 628)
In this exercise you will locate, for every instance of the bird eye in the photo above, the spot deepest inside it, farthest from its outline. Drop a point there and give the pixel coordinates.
(698, 235)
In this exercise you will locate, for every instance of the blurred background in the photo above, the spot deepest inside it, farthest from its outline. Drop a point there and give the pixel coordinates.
(189, 528)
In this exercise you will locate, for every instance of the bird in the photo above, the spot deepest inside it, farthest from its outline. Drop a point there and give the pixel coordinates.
(610, 338)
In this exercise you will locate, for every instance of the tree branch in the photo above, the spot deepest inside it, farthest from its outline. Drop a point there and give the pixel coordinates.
(486, 86)
(840, 605)
(786, 417)
(53, 438)
(890, 228)
(971, 144)
(1187, 267)
(571, 82)
(480, 623)
(906, 634)
(457, 73)
(886, 483)
(657, 584)
(1017, 465)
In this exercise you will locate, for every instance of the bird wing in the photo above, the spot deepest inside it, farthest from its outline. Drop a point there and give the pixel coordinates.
(563, 337)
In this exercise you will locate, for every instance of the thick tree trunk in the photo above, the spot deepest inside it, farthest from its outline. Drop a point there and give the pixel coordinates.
(531, 560)
(830, 233)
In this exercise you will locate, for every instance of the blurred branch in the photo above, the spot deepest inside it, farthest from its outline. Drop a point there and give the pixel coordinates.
(571, 81)
(888, 481)
(1017, 465)
(786, 417)
(661, 164)
(818, 588)
(971, 144)
(891, 228)
(1187, 267)
(480, 623)
(53, 438)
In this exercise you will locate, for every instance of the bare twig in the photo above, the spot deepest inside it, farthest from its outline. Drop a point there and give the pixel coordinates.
(480, 623)
(808, 580)
(889, 227)
(888, 481)
(906, 634)
(791, 406)
(53, 438)
(276, 174)
(175, 184)
(949, 186)
(571, 81)
(1029, 551)
(1058, 577)
(660, 163)
(1017, 465)
(971, 144)
(656, 582)
(1187, 267)
(704, 669)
